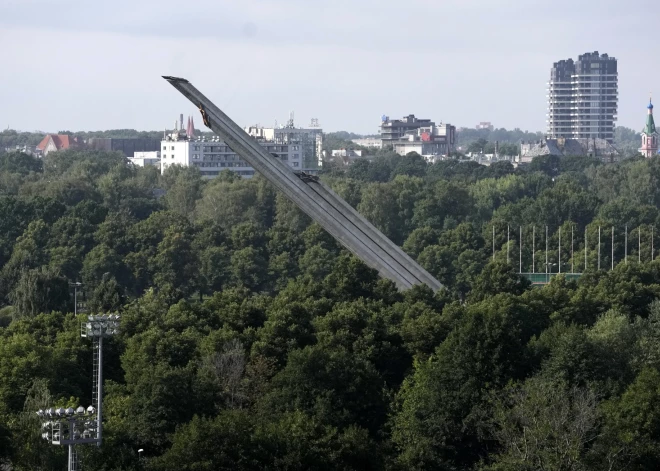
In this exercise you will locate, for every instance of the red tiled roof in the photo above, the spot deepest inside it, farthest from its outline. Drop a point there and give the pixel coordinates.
(61, 141)
(44, 142)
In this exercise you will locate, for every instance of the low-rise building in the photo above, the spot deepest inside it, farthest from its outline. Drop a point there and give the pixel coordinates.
(128, 146)
(307, 143)
(485, 125)
(430, 141)
(369, 142)
(145, 159)
(346, 156)
(25, 149)
(392, 130)
(209, 156)
(592, 147)
(300, 148)
(212, 156)
(55, 142)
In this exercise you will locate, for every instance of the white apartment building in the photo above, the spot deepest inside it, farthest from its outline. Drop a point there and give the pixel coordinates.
(144, 159)
(298, 148)
(583, 97)
(309, 141)
(369, 142)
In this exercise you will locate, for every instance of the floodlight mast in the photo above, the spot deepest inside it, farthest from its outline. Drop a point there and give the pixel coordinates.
(98, 327)
(72, 427)
(69, 427)
(99, 398)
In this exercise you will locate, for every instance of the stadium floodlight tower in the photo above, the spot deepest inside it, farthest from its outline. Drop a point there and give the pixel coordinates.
(98, 327)
(69, 427)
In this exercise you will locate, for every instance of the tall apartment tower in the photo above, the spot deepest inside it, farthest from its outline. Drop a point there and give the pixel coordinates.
(582, 97)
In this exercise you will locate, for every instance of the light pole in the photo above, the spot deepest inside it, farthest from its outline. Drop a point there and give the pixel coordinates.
(572, 259)
(546, 250)
(508, 228)
(520, 251)
(493, 243)
(75, 287)
(585, 248)
(69, 427)
(99, 327)
(73, 427)
(598, 248)
(559, 249)
(533, 248)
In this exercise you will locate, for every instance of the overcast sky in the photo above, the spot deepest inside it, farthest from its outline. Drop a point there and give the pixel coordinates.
(88, 65)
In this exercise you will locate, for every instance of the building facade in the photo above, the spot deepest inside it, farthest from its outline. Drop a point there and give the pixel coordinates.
(583, 97)
(55, 142)
(392, 130)
(594, 147)
(145, 159)
(128, 147)
(649, 135)
(345, 156)
(485, 125)
(431, 141)
(307, 142)
(211, 156)
(369, 142)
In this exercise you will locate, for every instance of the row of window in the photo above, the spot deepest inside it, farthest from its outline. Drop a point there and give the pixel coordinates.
(233, 157)
(215, 173)
(205, 149)
(220, 164)
(217, 157)
(212, 148)
(226, 149)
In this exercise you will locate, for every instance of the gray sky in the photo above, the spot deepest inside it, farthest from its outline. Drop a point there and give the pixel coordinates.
(89, 65)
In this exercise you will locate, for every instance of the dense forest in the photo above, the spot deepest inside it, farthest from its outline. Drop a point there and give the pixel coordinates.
(251, 340)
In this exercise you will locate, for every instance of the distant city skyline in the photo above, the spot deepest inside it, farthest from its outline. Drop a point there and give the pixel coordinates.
(86, 66)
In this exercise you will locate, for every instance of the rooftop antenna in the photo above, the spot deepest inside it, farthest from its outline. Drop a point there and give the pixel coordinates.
(314, 123)
(289, 124)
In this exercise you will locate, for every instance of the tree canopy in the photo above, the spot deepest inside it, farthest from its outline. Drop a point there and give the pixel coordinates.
(251, 340)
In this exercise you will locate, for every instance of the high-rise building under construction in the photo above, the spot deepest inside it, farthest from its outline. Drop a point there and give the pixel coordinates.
(582, 97)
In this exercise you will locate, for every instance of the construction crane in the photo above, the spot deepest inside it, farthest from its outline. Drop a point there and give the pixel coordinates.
(314, 198)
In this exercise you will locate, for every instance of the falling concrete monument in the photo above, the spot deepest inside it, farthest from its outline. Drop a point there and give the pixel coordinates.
(314, 198)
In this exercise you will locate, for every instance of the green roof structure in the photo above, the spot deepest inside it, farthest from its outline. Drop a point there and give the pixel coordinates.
(650, 124)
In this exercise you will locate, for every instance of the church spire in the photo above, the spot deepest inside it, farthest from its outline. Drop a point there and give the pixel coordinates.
(649, 134)
(650, 124)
